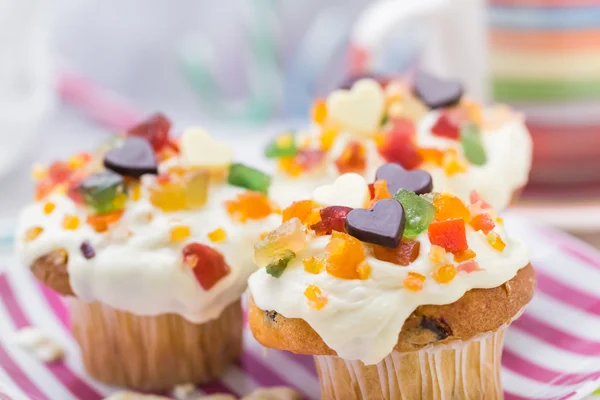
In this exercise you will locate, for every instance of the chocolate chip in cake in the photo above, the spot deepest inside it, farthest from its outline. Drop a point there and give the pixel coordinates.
(438, 326)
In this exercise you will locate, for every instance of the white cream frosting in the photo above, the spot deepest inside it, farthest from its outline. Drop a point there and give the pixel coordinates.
(508, 150)
(363, 318)
(144, 274)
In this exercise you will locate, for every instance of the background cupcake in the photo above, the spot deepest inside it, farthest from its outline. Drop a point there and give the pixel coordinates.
(152, 240)
(404, 297)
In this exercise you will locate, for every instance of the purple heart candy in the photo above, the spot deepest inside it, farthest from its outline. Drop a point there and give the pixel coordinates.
(134, 158)
(435, 92)
(397, 178)
(383, 224)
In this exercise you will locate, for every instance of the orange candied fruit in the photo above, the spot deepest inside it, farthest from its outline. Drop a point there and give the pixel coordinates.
(482, 222)
(298, 209)
(250, 205)
(180, 232)
(49, 207)
(380, 191)
(71, 222)
(352, 159)
(319, 111)
(364, 271)
(437, 254)
(218, 235)
(32, 233)
(495, 241)
(327, 138)
(448, 206)
(464, 255)
(314, 265)
(344, 256)
(315, 297)
(414, 281)
(431, 155)
(406, 252)
(100, 222)
(453, 164)
(444, 274)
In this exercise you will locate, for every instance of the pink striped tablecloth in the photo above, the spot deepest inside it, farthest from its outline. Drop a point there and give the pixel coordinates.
(551, 352)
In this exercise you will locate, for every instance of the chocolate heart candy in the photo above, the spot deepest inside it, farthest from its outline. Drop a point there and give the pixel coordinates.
(134, 158)
(383, 224)
(397, 178)
(351, 80)
(435, 92)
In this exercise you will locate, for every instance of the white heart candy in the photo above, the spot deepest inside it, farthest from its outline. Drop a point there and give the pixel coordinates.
(198, 149)
(350, 190)
(358, 110)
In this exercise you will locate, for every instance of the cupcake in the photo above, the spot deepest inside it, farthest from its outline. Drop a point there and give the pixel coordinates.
(427, 124)
(396, 297)
(151, 240)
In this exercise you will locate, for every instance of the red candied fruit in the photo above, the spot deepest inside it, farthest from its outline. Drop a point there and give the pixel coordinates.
(475, 198)
(208, 265)
(447, 126)
(399, 146)
(482, 222)
(332, 219)
(352, 159)
(59, 171)
(309, 159)
(155, 130)
(449, 234)
(406, 252)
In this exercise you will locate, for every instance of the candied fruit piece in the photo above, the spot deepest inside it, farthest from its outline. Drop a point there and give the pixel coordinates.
(406, 252)
(100, 190)
(277, 267)
(308, 160)
(155, 130)
(380, 191)
(49, 207)
(399, 146)
(282, 146)
(482, 222)
(249, 178)
(136, 191)
(327, 138)
(470, 139)
(180, 232)
(364, 271)
(298, 209)
(39, 172)
(315, 297)
(331, 219)
(449, 234)
(418, 212)
(476, 198)
(319, 111)
(344, 255)
(250, 205)
(431, 155)
(59, 171)
(208, 265)
(453, 164)
(352, 159)
(414, 281)
(447, 125)
(314, 265)
(70, 222)
(218, 235)
(468, 266)
(495, 241)
(289, 236)
(464, 255)
(101, 222)
(448, 206)
(32, 233)
(43, 189)
(167, 194)
(437, 254)
(444, 274)
(195, 185)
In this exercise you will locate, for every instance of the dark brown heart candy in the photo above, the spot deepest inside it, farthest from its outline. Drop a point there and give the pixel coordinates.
(134, 158)
(397, 178)
(435, 92)
(351, 80)
(383, 224)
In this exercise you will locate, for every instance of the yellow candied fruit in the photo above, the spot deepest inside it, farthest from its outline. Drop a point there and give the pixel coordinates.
(327, 138)
(299, 209)
(464, 255)
(180, 233)
(316, 298)
(495, 241)
(71, 222)
(414, 281)
(49, 207)
(319, 111)
(32, 233)
(314, 265)
(289, 166)
(218, 235)
(136, 192)
(453, 164)
(119, 201)
(364, 271)
(39, 171)
(444, 274)
(437, 254)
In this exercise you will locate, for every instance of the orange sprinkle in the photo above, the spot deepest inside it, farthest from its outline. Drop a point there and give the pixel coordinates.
(316, 298)
(414, 281)
(319, 111)
(327, 138)
(453, 164)
(49, 207)
(464, 255)
(180, 233)
(100, 222)
(250, 205)
(313, 265)
(445, 273)
(71, 222)
(431, 155)
(32, 233)
(496, 241)
(218, 235)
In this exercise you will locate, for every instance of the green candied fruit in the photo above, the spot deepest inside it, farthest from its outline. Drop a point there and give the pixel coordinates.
(282, 146)
(249, 178)
(418, 212)
(470, 139)
(102, 192)
(276, 269)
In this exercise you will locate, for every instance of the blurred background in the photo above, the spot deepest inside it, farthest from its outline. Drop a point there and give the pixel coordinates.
(71, 72)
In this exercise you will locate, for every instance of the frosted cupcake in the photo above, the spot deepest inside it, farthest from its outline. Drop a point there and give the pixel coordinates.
(151, 239)
(427, 125)
(403, 297)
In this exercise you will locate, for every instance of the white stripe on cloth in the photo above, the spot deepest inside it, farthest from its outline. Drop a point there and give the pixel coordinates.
(530, 389)
(9, 388)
